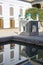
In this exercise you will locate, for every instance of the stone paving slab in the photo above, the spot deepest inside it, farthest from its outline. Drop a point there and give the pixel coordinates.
(8, 32)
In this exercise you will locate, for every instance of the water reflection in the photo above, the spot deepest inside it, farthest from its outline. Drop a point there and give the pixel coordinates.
(12, 54)
(12, 46)
(1, 48)
(1, 58)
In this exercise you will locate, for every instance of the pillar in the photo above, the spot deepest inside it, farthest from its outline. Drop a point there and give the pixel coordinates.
(37, 17)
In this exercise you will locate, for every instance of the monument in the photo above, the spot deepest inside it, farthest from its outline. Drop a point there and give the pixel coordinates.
(32, 27)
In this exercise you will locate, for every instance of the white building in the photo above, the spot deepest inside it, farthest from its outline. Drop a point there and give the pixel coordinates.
(9, 18)
(9, 12)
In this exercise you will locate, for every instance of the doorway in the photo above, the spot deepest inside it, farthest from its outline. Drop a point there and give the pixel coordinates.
(12, 23)
(1, 23)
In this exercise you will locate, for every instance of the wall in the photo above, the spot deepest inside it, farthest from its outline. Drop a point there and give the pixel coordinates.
(6, 4)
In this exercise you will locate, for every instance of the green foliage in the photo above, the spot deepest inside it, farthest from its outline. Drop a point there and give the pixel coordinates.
(33, 12)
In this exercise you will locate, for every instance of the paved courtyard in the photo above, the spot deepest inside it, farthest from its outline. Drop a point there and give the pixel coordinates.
(8, 32)
(14, 31)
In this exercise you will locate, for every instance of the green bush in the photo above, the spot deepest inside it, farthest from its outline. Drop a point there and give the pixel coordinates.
(33, 12)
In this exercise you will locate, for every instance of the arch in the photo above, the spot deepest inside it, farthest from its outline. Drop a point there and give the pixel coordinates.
(33, 28)
(11, 11)
(21, 11)
(0, 10)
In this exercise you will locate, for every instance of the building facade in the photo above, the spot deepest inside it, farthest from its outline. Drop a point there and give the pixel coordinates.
(9, 12)
(9, 18)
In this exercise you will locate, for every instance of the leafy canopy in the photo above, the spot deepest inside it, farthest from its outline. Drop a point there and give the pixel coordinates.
(34, 12)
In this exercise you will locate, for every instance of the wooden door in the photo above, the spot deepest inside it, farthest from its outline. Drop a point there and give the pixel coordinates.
(12, 24)
(1, 23)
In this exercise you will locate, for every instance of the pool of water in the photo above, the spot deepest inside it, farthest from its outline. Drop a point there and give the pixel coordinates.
(12, 54)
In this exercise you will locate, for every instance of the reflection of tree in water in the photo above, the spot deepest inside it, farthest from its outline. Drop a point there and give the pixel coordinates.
(29, 51)
(40, 53)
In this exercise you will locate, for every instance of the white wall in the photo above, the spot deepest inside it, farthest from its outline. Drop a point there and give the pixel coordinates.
(6, 15)
(16, 5)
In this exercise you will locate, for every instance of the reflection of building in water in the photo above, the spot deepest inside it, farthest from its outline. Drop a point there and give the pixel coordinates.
(10, 54)
(1, 48)
(12, 46)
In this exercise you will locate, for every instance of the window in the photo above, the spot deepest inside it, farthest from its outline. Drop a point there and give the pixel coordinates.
(23, 28)
(12, 55)
(1, 58)
(21, 12)
(0, 10)
(11, 11)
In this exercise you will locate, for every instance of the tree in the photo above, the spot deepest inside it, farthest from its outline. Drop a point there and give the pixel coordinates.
(34, 12)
